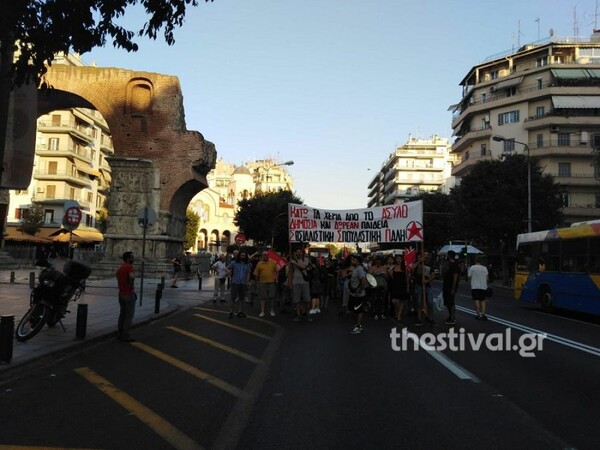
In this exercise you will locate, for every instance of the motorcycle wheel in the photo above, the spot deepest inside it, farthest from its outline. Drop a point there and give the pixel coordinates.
(32, 322)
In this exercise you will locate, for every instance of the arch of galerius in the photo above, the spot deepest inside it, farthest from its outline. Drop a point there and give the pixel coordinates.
(157, 162)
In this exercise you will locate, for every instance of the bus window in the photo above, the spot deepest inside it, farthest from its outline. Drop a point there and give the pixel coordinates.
(550, 252)
(524, 258)
(594, 255)
(574, 255)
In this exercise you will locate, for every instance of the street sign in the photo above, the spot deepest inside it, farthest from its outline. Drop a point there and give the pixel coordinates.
(146, 217)
(240, 238)
(72, 217)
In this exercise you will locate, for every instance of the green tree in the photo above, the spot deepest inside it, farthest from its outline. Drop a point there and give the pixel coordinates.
(264, 218)
(437, 219)
(490, 204)
(32, 220)
(192, 223)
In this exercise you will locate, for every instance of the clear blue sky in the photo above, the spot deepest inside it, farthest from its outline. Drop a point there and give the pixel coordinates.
(335, 85)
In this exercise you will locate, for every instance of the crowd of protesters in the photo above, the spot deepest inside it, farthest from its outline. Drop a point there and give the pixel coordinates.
(381, 286)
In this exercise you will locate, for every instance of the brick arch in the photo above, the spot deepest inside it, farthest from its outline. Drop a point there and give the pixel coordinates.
(157, 162)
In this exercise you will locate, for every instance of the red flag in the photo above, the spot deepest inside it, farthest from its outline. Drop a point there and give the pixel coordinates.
(279, 260)
(410, 256)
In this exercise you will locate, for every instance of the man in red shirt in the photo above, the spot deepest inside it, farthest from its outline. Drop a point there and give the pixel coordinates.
(127, 296)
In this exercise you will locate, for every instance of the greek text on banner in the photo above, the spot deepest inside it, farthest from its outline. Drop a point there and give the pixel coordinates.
(390, 223)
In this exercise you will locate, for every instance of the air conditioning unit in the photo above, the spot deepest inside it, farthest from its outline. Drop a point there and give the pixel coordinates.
(554, 129)
(40, 190)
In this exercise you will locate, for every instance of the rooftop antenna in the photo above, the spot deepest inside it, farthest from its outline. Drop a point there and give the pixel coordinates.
(575, 24)
(538, 26)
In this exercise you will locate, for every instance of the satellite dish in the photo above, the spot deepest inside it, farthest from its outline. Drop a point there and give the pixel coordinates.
(551, 32)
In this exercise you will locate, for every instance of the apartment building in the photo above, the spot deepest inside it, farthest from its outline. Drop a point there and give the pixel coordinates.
(70, 164)
(543, 99)
(420, 165)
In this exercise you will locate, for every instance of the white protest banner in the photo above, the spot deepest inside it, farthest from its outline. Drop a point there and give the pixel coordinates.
(391, 223)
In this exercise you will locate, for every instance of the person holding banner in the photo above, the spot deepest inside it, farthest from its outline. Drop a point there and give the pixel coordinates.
(298, 278)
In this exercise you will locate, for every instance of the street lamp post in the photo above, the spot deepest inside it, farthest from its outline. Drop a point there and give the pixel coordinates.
(503, 139)
(287, 163)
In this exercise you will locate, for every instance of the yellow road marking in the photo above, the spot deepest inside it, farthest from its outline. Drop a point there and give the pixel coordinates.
(217, 382)
(156, 423)
(216, 344)
(235, 327)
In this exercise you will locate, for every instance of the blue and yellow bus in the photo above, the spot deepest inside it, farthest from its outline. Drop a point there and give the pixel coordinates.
(560, 268)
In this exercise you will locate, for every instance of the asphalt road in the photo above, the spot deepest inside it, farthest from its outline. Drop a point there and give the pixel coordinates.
(197, 379)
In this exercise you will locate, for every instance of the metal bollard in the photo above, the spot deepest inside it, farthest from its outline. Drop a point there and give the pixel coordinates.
(7, 328)
(31, 280)
(12, 277)
(157, 298)
(82, 311)
(199, 282)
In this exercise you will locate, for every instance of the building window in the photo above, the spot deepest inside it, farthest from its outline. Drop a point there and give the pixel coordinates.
(483, 149)
(512, 91)
(90, 197)
(541, 62)
(564, 169)
(49, 216)
(72, 194)
(494, 74)
(53, 144)
(539, 84)
(564, 139)
(56, 120)
(509, 146)
(540, 111)
(51, 191)
(52, 168)
(484, 97)
(508, 117)
(540, 140)
(565, 200)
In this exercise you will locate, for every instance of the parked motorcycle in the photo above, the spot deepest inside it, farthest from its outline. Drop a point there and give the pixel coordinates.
(56, 287)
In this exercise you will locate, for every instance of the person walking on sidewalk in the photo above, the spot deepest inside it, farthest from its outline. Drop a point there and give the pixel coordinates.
(176, 269)
(478, 274)
(265, 274)
(239, 270)
(127, 297)
(220, 268)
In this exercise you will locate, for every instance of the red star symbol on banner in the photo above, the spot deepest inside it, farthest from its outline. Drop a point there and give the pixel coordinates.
(414, 230)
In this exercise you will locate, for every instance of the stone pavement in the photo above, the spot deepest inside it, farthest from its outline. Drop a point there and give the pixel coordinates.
(102, 313)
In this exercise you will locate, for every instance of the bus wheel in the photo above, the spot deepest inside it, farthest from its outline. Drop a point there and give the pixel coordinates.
(546, 300)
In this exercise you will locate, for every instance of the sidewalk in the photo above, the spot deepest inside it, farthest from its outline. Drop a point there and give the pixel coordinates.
(102, 313)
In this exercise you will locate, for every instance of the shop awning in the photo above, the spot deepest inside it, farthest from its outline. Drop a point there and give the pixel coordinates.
(576, 101)
(508, 83)
(106, 174)
(82, 236)
(13, 234)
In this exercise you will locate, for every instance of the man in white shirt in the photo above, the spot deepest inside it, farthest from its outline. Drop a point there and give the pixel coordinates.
(220, 268)
(478, 274)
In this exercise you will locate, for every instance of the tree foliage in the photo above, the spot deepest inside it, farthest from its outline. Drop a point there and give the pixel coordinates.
(192, 223)
(264, 218)
(32, 220)
(490, 204)
(43, 28)
(437, 219)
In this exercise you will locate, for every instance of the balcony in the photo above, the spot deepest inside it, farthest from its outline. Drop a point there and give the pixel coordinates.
(63, 176)
(577, 179)
(73, 128)
(465, 165)
(83, 153)
(472, 135)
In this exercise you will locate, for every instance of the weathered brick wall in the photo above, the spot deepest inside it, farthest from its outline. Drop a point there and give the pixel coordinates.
(145, 114)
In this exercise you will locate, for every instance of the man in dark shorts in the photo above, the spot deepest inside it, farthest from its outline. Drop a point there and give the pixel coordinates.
(451, 278)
